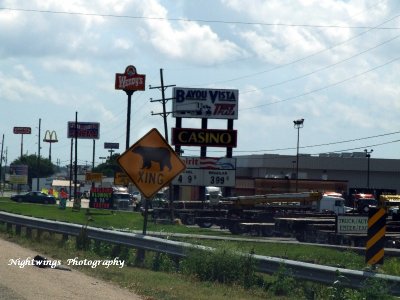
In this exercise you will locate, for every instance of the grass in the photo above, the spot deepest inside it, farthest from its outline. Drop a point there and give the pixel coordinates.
(134, 221)
(168, 283)
(145, 282)
(98, 217)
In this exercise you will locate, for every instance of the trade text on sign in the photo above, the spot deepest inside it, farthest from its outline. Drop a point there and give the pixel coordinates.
(203, 95)
(198, 137)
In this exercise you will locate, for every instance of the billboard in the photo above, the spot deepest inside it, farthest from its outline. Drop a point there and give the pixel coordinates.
(95, 177)
(204, 137)
(22, 130)
(85, 130)
(111, 145)
(101, 198)
(207, 171)
(130, 80)
(18, 174)
(205, 103)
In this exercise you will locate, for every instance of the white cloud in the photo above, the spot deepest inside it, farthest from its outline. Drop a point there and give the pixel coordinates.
(62, 65)
(21, 90)
(186, 40)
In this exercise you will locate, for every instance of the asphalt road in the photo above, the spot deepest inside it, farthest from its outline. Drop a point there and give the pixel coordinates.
(31, 282)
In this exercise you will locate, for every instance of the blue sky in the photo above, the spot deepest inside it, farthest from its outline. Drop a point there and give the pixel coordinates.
(333, 63)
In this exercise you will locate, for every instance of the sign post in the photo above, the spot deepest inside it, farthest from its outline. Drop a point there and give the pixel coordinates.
(22, 131)
(80, 130)
(376, 236)
(151, 164)
(129, 82)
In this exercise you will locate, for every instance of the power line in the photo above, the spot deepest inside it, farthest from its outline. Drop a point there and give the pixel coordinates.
(196, 20)
(328, 66)
(327, 144)
(305, 57)
(318, 89)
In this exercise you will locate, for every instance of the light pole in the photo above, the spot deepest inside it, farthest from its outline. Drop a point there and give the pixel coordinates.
(368, 156)
(298, 124)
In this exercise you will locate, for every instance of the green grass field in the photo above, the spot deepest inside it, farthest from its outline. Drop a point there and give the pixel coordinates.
(175, 285)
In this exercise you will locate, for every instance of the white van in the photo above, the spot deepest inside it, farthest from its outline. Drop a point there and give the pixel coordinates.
(332, 204)
(213, 194)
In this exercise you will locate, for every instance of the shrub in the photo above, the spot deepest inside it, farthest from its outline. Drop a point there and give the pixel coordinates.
(223, 266)
(284, 283)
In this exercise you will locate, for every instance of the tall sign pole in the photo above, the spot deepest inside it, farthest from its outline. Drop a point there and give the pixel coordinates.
(77, 204)
(80, 130)
(129, 81)
(1, 163)
(38, 157)
(128, 118)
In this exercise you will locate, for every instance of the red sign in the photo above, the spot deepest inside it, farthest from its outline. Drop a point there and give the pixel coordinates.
(22, 130)
(130, 80)
(85, 130)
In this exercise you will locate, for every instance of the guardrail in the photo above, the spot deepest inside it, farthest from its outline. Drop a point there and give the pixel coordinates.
(265, 264)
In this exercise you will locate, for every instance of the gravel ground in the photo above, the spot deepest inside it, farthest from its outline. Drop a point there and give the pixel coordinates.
(31, 282)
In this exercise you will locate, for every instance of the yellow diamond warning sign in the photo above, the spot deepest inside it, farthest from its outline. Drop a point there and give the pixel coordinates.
(151, 163)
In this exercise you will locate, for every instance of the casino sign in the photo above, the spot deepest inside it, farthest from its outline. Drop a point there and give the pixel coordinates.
(204, 137)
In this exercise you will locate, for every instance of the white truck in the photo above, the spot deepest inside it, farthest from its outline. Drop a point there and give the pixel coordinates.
(332, 204)
(121, 198)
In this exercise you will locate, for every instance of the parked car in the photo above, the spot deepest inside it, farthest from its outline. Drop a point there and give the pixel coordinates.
(34, 197)
(136, 200)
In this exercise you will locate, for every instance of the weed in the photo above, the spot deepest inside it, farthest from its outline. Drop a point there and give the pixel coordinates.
(82, 240)
(223, 266)
(284, 283)
(374, 288)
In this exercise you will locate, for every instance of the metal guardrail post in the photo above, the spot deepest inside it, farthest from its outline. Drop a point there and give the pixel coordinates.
(264, 264)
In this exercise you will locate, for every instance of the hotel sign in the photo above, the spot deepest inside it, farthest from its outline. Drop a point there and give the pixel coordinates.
(205, 103)
(204, 137)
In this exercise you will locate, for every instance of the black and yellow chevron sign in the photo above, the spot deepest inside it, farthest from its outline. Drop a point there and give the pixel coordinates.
(376, 236)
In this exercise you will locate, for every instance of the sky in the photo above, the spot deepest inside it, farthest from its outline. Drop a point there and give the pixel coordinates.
(333, 63)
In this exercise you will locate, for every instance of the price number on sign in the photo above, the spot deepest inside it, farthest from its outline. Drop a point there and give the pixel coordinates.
(217, 180)
(188, 179)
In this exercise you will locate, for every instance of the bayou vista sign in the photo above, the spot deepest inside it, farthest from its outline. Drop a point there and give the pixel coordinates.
(205, 103)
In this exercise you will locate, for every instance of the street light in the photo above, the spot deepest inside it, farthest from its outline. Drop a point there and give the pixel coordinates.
(368, 156)
(298, 124)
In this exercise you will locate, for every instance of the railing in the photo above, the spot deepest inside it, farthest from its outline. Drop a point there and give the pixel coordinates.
(265, 264)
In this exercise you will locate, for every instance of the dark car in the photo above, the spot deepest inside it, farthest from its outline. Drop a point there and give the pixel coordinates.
(34, 197)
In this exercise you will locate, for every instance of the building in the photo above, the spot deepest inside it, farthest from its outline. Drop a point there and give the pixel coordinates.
(277, 173)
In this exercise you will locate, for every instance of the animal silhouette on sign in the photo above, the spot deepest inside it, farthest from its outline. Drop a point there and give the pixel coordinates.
(160, 155)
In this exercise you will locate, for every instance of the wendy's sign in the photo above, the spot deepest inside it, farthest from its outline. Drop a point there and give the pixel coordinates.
(130, 80)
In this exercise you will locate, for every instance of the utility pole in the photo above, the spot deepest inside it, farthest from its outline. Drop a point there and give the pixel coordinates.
(1, 165)
(165, 114)
(38, 158)
(164, 100)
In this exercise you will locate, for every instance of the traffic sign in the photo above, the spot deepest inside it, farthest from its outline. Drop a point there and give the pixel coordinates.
(374, 253)
(151, 163)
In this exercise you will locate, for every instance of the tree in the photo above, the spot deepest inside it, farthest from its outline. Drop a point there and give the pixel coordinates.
(36, 169)
(109, 167)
